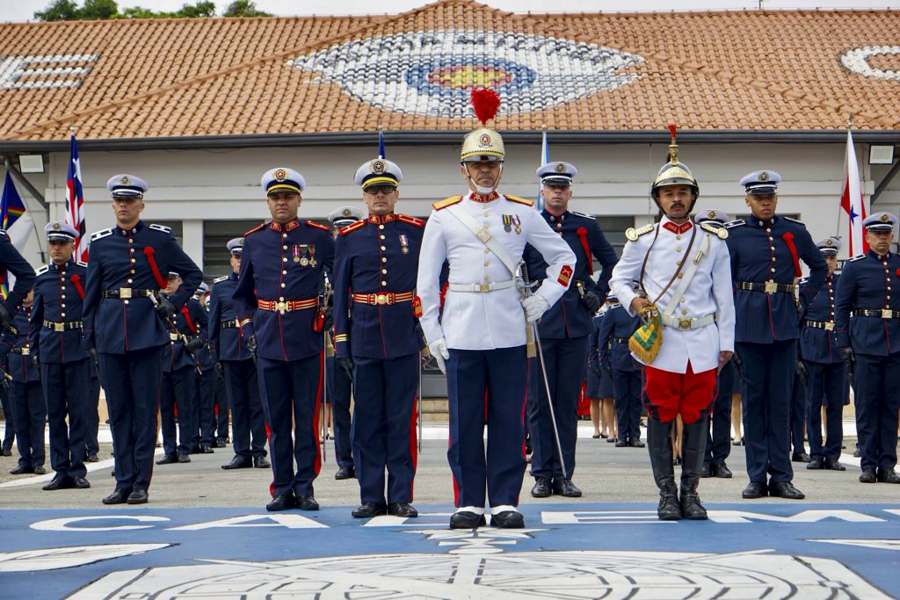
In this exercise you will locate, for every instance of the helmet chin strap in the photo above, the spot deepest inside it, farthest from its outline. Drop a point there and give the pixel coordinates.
(483, 191)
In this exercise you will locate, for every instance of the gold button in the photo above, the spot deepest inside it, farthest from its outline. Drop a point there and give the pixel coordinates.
(284, 247)
(284, 236)
(62, 314)
(284, 272)
(283, 259)
(380, 237)
(383, 248)
(130, 281)
(384, 271)
(130, 241)
(282, 285)
(125, 301)
(384, 259)
(281, 298)
(772, 269)
(381, 227)
(383, 283)
(63, 305)
(773, 259)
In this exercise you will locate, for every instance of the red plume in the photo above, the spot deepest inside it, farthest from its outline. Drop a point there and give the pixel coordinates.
(673, 129)
(486, 103)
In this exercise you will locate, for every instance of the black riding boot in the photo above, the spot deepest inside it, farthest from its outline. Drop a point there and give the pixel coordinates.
(660, 447)
(693, 447)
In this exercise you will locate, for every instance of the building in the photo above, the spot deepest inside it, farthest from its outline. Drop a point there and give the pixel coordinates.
(201, 107)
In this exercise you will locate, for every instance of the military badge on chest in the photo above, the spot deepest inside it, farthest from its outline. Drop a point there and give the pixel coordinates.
(512, 222)
(404, 244)
(304, 255)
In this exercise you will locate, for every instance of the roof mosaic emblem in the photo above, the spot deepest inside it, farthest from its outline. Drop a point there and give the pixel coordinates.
(433, 72)
(857, 61)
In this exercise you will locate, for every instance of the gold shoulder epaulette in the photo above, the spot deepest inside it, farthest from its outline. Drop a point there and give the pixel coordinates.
(317, 225)
(352, 227)
(411, 220)
(255, 229)
(441, 204)
(721, 232)
(520, 200)
(632, 234)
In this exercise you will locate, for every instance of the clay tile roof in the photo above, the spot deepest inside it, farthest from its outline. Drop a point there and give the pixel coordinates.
(708, 71)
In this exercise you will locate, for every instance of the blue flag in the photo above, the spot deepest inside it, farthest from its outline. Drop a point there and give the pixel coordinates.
(11, 206)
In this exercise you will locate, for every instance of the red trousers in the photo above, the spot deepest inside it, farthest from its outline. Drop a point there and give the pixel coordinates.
(686, 394)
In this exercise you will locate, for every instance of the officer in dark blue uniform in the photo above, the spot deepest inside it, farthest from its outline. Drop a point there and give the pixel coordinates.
(280, 284)
(229, 340)
(564, 331)
(91, 438)
(766, 251)
(29, 408)
(826, 367)
(718, 442)
(203, 438)
(125, 320)
(867, 293)
(56, 337)
(338, 381)
(612, 343)
(179, 383)
(376, 338)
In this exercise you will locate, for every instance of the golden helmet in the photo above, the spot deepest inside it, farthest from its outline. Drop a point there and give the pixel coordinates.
(483, 144)
(674, 172)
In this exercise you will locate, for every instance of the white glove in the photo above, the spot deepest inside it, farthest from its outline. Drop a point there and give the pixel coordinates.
(439, 351)
(534, 306)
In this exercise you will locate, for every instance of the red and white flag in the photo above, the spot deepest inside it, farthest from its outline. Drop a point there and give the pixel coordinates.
(852, 200)
(75, 203)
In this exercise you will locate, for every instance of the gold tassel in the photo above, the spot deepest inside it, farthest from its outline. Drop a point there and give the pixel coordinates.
(646, 341)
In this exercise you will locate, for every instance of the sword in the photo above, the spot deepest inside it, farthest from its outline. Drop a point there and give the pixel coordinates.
(419, 402)
(526, 289)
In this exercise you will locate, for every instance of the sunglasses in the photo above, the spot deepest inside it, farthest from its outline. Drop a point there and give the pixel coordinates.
(380, 189)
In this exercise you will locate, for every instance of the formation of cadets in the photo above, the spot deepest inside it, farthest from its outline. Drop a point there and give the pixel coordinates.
(507, 301)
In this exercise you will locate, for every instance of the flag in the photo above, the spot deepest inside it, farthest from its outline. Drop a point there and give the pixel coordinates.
(381, 151)
(852, 200)
(545, 158)
(17, 223)
(75, 202)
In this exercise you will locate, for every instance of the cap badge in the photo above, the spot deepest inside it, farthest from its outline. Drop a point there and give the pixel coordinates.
(829, 242)
(123, 180)
(280, 174)
(484, 140)
(346, 212)
(57, 227)
(711, 214)
(763, 176)
(885, 218)
(378, 167)
(560, 168)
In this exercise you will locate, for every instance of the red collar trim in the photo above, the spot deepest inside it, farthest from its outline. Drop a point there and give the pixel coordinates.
(382, 219)
(289, 226)
(678, 229)
(484, 199)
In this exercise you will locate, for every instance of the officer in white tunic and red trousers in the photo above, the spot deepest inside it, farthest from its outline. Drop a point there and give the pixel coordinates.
(686, 297)
(479, 341)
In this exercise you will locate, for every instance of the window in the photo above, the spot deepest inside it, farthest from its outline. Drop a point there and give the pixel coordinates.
(215, 235)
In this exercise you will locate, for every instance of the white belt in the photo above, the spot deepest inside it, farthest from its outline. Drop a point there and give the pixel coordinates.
(686, 323)
(481, 288)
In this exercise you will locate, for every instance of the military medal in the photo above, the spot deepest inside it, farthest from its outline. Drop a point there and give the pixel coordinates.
(296, 253)
(517, 223)
(312, 255)
(507, 223)
(404, 244)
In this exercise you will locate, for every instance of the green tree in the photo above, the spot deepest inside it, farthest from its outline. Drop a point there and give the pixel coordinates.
(244, 8)
(198, 9)
(59, 10)
(99, 9)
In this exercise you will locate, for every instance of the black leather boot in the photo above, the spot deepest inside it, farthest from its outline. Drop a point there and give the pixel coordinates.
(660, 448)
(693, 447)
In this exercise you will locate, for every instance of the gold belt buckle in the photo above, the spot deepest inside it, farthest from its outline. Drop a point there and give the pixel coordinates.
(124, 293)
(684, 323)
(59, 327)
(771, 287)
(829, 325)
(26, 350)
(381, 299)
(281, 306)
(887, 313)
(484, 288)
(173, 337)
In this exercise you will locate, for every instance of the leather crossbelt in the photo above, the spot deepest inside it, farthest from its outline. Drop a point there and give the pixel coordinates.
(481, 288)
(769, 287)
(383, 298)
(286, 306)
(126, 293)
(687, 323)
(826, 325)
(63, 325)
(881, 313)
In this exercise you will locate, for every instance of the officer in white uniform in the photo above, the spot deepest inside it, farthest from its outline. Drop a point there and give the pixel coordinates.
(479, 341)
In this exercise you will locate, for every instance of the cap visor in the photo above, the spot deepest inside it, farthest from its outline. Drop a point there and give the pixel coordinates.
(283, 187)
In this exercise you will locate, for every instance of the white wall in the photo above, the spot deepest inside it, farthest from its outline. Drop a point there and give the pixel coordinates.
(194, 185)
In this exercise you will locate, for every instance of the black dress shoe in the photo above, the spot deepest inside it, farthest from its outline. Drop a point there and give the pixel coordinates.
(541, 488)
(59, 482)
(508, 519)
(465, 519)
(620, 443)
(834, 465)
(80, 483)
(721, 471)
(786, 490)
(345, 473)
(91, 458)
(220, 443)
(368, 510)
(755, 489)
(800, 457)
(637, 443)
(184, 458)
(40, 470)
(565, 488)
(20, 470)
(285, 501)
(610, 440)
(206, 449)
(868, 476)
(706, 471)
(260, 462)
(168, 459)
(239, 462)
(117, 497)
(307, 503)
(888, 476)
(815, 463)
(402, 509)
(138, 496)
(6, 452)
